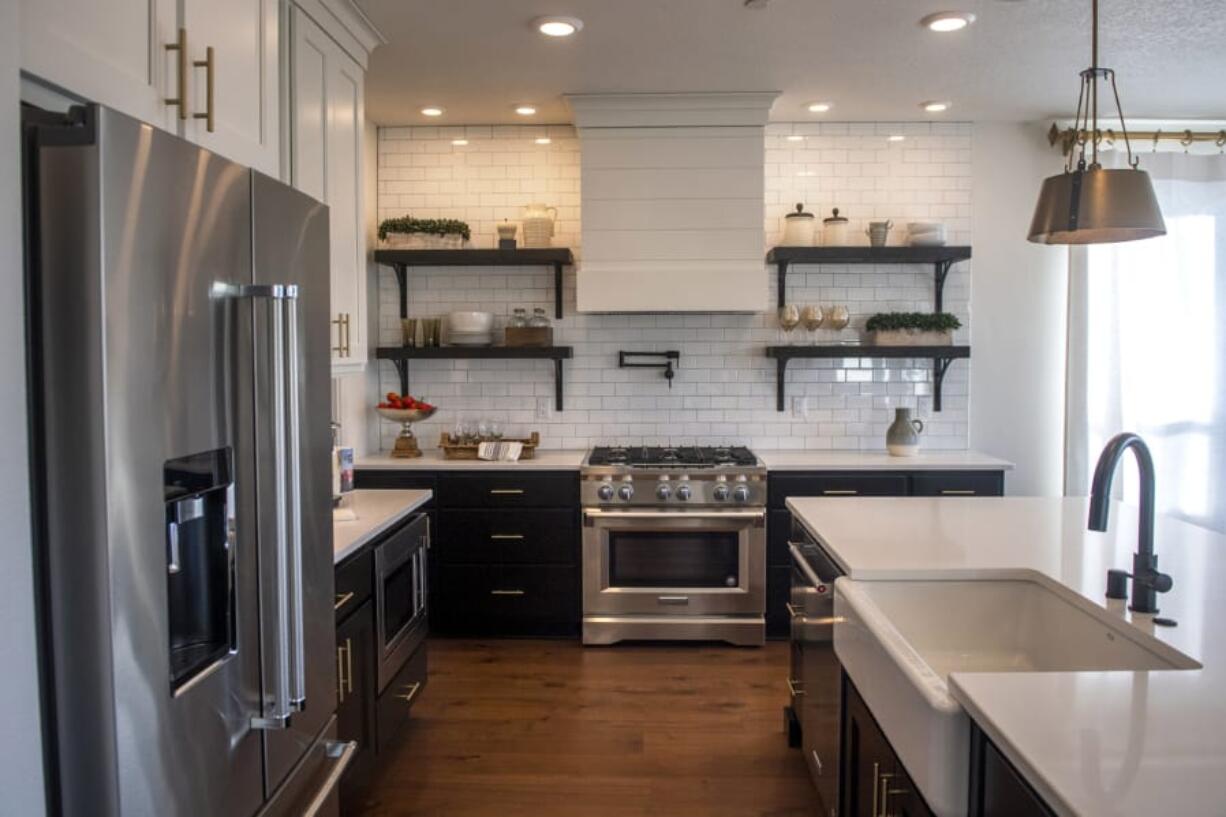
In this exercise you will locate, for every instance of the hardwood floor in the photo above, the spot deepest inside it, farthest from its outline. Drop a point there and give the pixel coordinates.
(543, 728)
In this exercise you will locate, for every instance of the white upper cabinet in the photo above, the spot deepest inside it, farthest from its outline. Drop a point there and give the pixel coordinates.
(244, 101)
(326, 161)
(115, 53)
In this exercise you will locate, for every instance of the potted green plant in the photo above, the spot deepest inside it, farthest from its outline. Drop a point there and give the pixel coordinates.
(912, 329)
(408, 233)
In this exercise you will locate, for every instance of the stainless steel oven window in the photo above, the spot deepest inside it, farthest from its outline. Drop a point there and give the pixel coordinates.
(653, 558)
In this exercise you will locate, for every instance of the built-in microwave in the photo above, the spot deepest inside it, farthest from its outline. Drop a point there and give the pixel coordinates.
(400, 596)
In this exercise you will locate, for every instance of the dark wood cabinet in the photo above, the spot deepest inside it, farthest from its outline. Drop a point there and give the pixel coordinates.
(508, 489)
(355, 696)
(396, 701)
(538, 536)
(873, 779)
(997, 789)
(958, 483)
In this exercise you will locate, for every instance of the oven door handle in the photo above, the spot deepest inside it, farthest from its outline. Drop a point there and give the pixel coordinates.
(592, 514)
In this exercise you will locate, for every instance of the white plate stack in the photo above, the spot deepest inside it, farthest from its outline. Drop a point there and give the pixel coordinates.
(926, 234)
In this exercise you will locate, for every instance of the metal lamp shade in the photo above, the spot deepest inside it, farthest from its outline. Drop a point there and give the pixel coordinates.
(1096, 206)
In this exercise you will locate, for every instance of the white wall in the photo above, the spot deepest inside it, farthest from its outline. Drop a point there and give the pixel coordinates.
(21, 773)
(725, 388)
(1020, 305)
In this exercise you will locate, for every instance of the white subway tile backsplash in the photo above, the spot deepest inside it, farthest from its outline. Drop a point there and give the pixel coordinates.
(725, 387)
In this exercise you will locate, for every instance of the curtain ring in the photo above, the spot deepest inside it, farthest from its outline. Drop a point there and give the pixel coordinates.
(1157, 136)
(1221, 141)
(1187, 140)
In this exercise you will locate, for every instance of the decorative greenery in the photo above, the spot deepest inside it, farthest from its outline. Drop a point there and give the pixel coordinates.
(916, 321)
(430, 226)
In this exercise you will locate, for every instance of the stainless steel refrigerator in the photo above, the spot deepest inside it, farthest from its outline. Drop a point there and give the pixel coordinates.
(179, 359)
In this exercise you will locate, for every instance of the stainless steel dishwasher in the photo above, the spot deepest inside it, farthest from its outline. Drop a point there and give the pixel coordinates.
(815, 684)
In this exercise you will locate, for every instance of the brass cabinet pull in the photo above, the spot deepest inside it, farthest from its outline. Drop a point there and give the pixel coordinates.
(506, 592)
(207, 65)
(413, 689)
(886, 791)
(514, 537)
(794, 611)
(839, 492)
(876, 790)
(348, 350)
(342, 600)
(180, 46)
(339, 323)
(506, 491)
(794, 688)
(341, 665)
(956, 492)
(348, 666)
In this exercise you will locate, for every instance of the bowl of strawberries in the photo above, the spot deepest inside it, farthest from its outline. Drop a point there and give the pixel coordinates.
(405, 410)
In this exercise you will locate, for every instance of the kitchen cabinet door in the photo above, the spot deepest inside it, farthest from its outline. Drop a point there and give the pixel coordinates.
(108, 51)
(245, 98)
(355, 696)
(326, 145)
(997, 789)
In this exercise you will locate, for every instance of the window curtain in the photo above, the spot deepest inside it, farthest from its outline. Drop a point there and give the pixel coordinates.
(1147, 345)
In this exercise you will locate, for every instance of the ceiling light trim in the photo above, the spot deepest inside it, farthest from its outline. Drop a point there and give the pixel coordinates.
(947, 22)
(560, 26)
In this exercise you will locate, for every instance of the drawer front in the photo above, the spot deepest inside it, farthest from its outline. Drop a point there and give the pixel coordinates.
(508, 489)
(778, 594)
(961, 483)
(835, 484)
(354, 580)
(380, 479)
(398, 699)
(525, 600)
(509, 537)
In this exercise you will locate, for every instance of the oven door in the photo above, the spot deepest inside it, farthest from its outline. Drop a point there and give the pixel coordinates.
(700, 563)
(400, 596)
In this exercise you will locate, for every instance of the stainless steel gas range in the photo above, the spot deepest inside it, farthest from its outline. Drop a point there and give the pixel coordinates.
(674, 544)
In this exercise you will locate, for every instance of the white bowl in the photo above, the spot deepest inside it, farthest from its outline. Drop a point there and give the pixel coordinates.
(470, 322)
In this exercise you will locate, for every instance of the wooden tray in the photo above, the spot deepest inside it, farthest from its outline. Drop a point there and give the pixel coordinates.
(454, 450)
(529, 336)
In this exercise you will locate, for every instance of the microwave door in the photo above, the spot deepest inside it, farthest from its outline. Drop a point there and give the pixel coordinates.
(149, 550)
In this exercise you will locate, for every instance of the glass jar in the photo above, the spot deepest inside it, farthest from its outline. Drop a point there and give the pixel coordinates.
(539, 319)
(519, 317)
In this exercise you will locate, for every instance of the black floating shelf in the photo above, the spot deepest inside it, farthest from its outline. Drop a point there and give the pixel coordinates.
(401, 355)
(941, 357)
(942, 258)
(401, 260)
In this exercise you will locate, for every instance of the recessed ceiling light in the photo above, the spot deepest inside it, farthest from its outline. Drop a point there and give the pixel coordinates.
(459, 142)
(544, 140)
(895, 137)
(525, 110)
(934, 106)
(796, 138)
(558, 26)
(431, 111)
(946, 21)
(819, 107)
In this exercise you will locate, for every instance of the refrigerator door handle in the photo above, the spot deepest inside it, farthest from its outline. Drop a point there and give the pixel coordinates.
(294, 317)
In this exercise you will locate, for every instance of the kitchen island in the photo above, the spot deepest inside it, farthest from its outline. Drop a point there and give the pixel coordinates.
(1088, 743)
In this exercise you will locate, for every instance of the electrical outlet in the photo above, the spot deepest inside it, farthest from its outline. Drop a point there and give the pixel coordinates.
(800, 408)
(544, 408)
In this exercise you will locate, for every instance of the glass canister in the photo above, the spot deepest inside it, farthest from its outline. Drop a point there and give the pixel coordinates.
(539, 319)
(519, 318)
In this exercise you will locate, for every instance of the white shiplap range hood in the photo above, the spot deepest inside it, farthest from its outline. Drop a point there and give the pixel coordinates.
(672, 201)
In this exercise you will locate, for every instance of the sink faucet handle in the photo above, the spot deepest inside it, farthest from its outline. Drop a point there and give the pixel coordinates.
(1117, 584)
(1158, 582)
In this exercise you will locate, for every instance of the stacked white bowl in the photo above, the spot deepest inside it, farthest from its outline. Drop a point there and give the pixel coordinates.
(470, 328)
(926, 234)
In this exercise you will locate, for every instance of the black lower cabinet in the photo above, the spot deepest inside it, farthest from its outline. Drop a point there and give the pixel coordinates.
(396, 700)
(873, 781)
(355, 699)
(997, 789)
(509, 600)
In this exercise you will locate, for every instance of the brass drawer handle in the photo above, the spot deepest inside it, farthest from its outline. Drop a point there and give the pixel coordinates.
(956, 492)
(506, 592)
(412, 693)
(839, 492)
(207, 65)
(342, 346)
(342, 600)
(516, 537)
(506, 491)
(794, 611)
(794, 688)
(180, 46)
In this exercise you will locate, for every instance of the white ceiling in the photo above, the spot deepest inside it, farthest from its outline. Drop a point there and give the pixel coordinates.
(870, 58)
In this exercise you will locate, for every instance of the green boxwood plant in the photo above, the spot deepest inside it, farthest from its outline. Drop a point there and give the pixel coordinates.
(430, 226)
(915, 321)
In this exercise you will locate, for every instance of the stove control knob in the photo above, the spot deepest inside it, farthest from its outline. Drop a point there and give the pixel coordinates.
(663, 491)
(741, 493)
(626, 491)
(605, 491)
(720, 492)
(683, 491)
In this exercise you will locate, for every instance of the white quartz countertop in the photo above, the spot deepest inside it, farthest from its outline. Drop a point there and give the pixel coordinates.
(431, 459)
(1094, 744)
(791, 459)
(376, 512)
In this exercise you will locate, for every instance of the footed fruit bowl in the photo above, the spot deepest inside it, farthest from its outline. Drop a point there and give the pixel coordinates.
(406, 443)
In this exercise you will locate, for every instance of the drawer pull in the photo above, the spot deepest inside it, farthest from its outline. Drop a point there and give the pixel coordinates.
(341, 600)
(413, 689)
(506, 491)
(516, 537)
(506, 592)
(677, 600)
(794, 688)
(956, 492)
(839, 492)
(794, 611)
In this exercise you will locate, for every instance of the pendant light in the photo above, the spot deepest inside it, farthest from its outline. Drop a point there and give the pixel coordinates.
(1087, 203)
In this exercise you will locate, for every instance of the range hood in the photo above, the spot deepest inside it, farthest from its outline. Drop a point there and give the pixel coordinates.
(672, 201)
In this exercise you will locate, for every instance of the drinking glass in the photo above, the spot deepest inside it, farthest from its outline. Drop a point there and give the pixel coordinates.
(496, 429)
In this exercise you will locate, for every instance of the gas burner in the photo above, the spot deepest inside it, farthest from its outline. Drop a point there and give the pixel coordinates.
(691, 457)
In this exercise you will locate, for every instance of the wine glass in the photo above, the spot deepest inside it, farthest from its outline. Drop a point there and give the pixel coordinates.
(789, 319)
(838, 317)
(811, 316)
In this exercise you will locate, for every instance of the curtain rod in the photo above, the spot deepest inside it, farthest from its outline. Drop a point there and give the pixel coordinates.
(1069, 138)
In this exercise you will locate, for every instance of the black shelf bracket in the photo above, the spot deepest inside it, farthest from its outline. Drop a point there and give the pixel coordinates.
(402, 279)
(940, 365)
(782, 272)
(781, 373)
(940, 273)
(557, 293)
